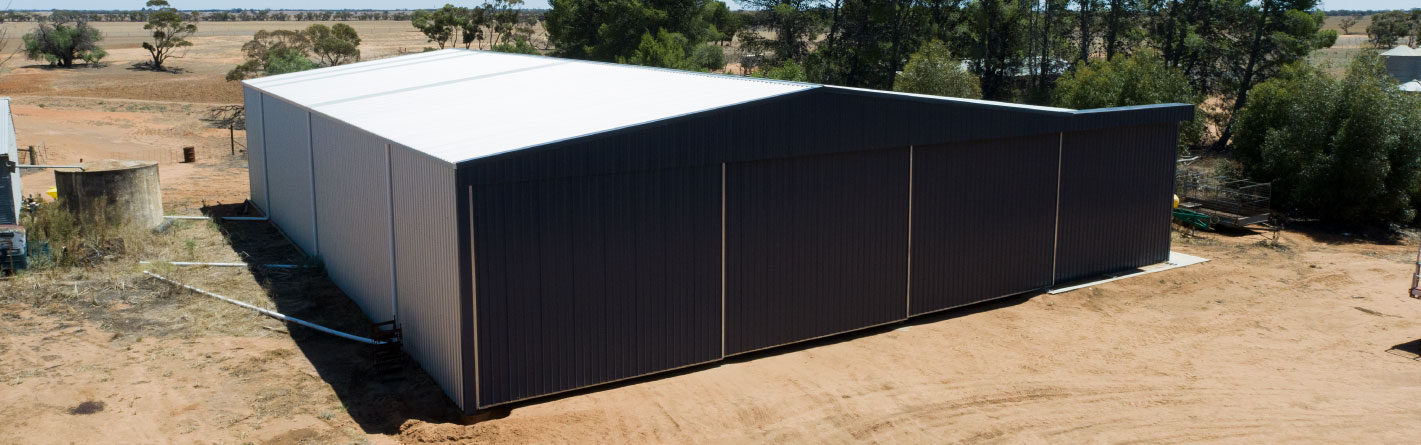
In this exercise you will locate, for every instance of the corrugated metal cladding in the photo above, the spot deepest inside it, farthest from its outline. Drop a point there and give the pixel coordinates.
(983, 220)
(10, 196)
(594, 279)
(427, 265)
(1116, 190)
(680, 225)
(353, 205)
(289, 175)
(814, 246)
(256, 151)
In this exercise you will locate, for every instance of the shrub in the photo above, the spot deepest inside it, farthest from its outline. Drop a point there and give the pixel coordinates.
(933, 70)
(1142, 78)
(1347, 150)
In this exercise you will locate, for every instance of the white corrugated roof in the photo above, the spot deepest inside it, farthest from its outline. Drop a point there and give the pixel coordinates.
(459, 104)
(1402, 50)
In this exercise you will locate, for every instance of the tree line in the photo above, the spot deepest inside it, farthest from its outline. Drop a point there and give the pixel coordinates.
(232, 15)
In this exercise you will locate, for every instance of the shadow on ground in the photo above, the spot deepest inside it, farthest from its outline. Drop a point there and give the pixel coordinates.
(378, 402)
(148, 66)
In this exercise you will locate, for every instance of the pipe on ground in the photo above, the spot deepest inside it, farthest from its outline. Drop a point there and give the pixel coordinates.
(270, 313)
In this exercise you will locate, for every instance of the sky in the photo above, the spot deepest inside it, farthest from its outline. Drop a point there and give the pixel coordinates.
(385, 4)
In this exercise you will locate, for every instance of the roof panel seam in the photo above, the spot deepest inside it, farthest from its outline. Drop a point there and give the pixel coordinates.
(438, 84)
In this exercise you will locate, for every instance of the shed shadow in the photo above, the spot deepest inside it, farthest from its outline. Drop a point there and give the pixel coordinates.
(1410, 350)
(378, 402)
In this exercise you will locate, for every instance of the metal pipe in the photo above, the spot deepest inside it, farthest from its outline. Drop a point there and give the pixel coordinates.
(48, 166)
(197, 263)
(225, 218)
(271, 313)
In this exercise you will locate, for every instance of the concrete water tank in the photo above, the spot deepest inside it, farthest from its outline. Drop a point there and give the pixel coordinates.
(122, 191)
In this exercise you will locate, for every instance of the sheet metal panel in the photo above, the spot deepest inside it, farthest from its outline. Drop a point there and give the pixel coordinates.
(1404, 68)
(10, 195)
(427, 266)
(983, 220)
(1116, 191)
(286, 130)
(814, 246)
(391, 97)
(842, 121)
(353, 201)
(256, 149)
(590, 280)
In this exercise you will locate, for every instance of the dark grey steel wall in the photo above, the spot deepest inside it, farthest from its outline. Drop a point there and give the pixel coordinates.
(983, 220)
(814, 246)
(597, 259)
(594, 279)
(1404, 68)
(1116, 191)
(817, 121)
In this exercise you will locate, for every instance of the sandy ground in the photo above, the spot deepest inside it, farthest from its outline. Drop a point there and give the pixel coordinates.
(1261, 344)
(1304, 343)
(116, 111)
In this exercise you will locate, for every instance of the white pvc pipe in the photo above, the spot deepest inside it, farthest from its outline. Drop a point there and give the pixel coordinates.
(48, 166)
(270, 313)
(227, 218)
(195, 263)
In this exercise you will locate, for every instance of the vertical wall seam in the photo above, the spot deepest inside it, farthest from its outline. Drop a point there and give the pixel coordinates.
(266, 161)
(722, 259)
(474, 297)
(1056, 231)
(394, 259)
(311, 154)
(908, 289)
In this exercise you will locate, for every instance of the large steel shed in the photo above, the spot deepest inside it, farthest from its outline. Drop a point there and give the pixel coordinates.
(537, 225)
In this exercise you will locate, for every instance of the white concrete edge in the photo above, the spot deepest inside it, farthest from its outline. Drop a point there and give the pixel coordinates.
(1176, 260)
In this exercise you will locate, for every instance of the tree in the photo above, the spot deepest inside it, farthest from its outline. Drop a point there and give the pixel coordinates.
(1122, 27)
(726, 22)
(933, 70)
(793, 24)
(61, 44)
(441, 25)
(338, 44)
(1347, 150)
(994, 45)
(1389, 27)
(1087, 12)
(1142, 78)
(868, 43)
(1347, 23)
(1277, 33)
(627, 30)
(169, 32)
(274, 52)
(503, 18)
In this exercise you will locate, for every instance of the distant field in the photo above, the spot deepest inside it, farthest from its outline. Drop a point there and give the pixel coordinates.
(131, 34)
(1333, 23)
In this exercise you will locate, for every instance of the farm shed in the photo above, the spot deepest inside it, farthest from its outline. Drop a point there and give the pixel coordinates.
(1403, 63)
(538, 225)
(10, 198)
